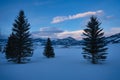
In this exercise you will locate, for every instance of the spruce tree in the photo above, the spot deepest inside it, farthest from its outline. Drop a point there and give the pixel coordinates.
(0, 42)
(49, 51)
(0, 46)
(19, 45)
(10, 49)
(94, 46)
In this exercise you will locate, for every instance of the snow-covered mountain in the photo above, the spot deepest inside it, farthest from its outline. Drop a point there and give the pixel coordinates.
(69, 41)
(113, 38)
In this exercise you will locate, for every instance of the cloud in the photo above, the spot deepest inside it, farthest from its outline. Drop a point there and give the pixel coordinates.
(46, 32)
(116, 29)
(50, 30)
(54, 32)
(75, 34)
(112, 31)
(109, 17)
(58, 19)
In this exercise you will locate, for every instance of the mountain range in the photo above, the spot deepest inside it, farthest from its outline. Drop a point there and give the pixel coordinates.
(113, 38)
(69, 41)
(66, 42)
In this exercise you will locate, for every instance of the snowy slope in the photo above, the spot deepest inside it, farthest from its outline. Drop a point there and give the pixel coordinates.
(113, 38)
(69, 41)
(67, 65)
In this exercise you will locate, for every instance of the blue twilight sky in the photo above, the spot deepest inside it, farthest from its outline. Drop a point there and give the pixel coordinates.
(60, 18)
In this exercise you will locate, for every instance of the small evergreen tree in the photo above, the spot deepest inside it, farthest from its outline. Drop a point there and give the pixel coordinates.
(94, 42)
(10, 49)
(19, 45)
(48, 51)
(0, 47)
(0, 42)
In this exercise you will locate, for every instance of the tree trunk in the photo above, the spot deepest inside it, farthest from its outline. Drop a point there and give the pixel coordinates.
(19, 59)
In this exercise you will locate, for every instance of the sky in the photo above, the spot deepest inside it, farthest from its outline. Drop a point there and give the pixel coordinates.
(60, 18)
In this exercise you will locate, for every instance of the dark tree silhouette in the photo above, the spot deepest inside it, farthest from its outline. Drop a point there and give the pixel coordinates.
(10, 49)
(19, 42)
(0, 41)
(48, 51)
(0, 48)
(94, 41)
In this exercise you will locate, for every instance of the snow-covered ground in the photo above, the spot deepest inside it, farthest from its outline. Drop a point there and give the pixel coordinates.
(67, 65)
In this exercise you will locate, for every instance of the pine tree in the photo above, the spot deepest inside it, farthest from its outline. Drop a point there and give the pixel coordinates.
(10, 49)
(0, 42)
(0, 48)
(19, 42)
(48, 51)
(94, 41)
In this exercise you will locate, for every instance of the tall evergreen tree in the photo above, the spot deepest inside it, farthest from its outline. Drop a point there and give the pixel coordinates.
(48, 51)
(94, 46)
(19, 42)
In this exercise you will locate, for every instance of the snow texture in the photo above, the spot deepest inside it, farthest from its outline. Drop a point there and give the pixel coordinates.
(68, 64)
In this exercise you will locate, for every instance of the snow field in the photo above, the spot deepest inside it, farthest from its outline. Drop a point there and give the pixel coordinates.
(68, 64)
